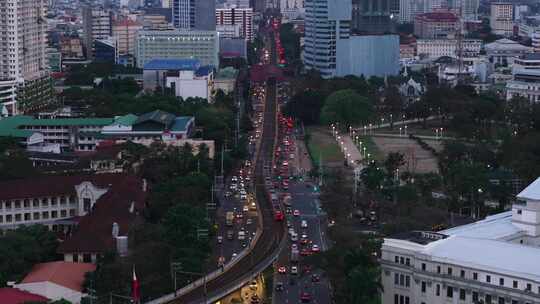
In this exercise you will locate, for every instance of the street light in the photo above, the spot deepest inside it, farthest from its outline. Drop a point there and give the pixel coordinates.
(400, 131)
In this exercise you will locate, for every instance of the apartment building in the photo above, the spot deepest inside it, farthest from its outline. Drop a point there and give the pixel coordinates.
(494, 260)
(437, 25)
(177, 44)
(125, 32)
(231, 16)
(501, 18)
(25, 85)
(97, 24)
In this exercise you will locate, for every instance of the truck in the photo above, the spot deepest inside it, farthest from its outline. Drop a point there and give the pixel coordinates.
(229, 218)
(294, 255)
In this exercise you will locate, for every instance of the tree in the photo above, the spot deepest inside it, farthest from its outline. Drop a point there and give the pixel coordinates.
(372, 176)
(347, 108)
(306, 106)
(393, 161)
(363, 278)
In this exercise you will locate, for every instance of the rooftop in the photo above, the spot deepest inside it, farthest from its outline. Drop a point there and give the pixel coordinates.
(126, 120)
(228, 72)
(204, 71)
(438, 16)
(506, 45)
(67, 274)
(532, 192)
(17, 296)
(158, 116)
(173, 64)
(492, 228)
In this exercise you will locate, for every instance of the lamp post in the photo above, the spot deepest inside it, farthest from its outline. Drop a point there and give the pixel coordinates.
(364, 151)
(405, 130)
(400, 131)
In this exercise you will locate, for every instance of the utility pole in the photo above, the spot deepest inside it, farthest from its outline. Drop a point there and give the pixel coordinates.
(320, 170)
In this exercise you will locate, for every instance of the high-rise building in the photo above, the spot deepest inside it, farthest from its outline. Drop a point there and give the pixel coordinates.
(237, 16)
(177, 44)
(494, 260)
(96, 25)
(125, 32)
(25, 85)
(468, 9)
(194, 14)
(409, 9)
(330, 48)
(372, 16)
(435, 25)
(501, 18)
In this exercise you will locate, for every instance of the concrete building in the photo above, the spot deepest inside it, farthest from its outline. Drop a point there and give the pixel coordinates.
(71, 48)
(228, 31)
(438, 25)
(194, 14)
(125, 32)
(185, 77)
(468, 8)
(525, 80)
(106, 50)
(435, 48)
(57, 280)
(501, 18)
(177, 44)
(25, 85)
(490, 261)
(237, 16)
(291, 9)
(97, 24)
(503, 51)
(225, 79)
(372, 16)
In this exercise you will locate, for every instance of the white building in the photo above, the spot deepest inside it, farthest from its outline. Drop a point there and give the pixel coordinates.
(233, 15)
(435, 48)
(57, 280)
(177, 44)
(501, 18)
(494, 260)
(194, 84)
(24, 73)
(525, 78)
(503, 51)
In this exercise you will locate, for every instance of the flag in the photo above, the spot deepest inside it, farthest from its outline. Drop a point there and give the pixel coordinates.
(135, 288)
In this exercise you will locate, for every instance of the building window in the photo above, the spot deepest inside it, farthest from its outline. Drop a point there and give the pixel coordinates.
(75, 257)
(9, 218)
(475, 276)
(87, 258)
(401, 299)
(396, 259)
(71, 212)
(438, 290)
(62, 200)
(26, 203)
(86, 204)
(407, 261)
(396, 299)
(514, 302)
(54, 214)
(438, 269)
(63, 213)
(36, 216)
(8, 205)
(45, 202)
(501, 300)
(529, 287)
(515, 284)
(450, 291)
(488, 299)
(462, 273)
(53, 201)
(35, 203)
(449, 270)
(401, 280)
(17, 204)
(18, 217)
(401, 260)
(501, 281)
(407, 281)
(45, 215)
(423, 287)
(462, 294)
(396, 278)
(423, 266)
(475, 297)
(1, 218)
(27, 217)
(488, 278)
(407, 300)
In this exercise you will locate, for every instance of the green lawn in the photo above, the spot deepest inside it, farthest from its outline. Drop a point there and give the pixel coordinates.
(371, 147)
(322, 144)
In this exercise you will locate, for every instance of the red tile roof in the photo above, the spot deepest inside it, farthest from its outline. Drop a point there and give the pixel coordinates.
(17, 296)
(44, 186)
(94, 232)
(67, 274)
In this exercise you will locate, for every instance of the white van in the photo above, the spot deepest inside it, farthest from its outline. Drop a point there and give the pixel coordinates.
(303, 224)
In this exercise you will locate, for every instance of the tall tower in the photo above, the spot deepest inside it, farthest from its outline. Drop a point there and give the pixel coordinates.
(194, 14)
(24, 78)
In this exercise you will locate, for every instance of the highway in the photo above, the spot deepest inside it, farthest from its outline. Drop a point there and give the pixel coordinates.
(272, 232)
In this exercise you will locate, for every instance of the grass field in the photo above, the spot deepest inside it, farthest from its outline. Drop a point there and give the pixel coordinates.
(321, 143)
(371, 148)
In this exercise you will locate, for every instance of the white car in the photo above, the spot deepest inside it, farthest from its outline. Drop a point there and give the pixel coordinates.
(294, 270)
(246, 208)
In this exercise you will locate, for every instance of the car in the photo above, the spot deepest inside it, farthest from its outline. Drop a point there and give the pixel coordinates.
(304, 239)
(294, 237)
(303, 224)
(288, 210)
(249, 221)
(230, 235)
(234, 178)
(246, 208)
(305, 297)
(289, 224)
(219, 239)
(253, 285)
(243, 197)
(228, 193)
(294, 269)
(279, 286)
(315, 248)
(296, 212)
(291, 231)
(282, 269)
(305, 252)
(239, 215)
(315, 278)
(307, 269)
(294, 247)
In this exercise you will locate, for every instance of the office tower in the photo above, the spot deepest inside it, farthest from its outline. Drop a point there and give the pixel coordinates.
(25, 84)
(194, 14)
(177, 44)
(96, 25)
(468, 9)
(372, 16)
(232, 16)
(502, 18)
